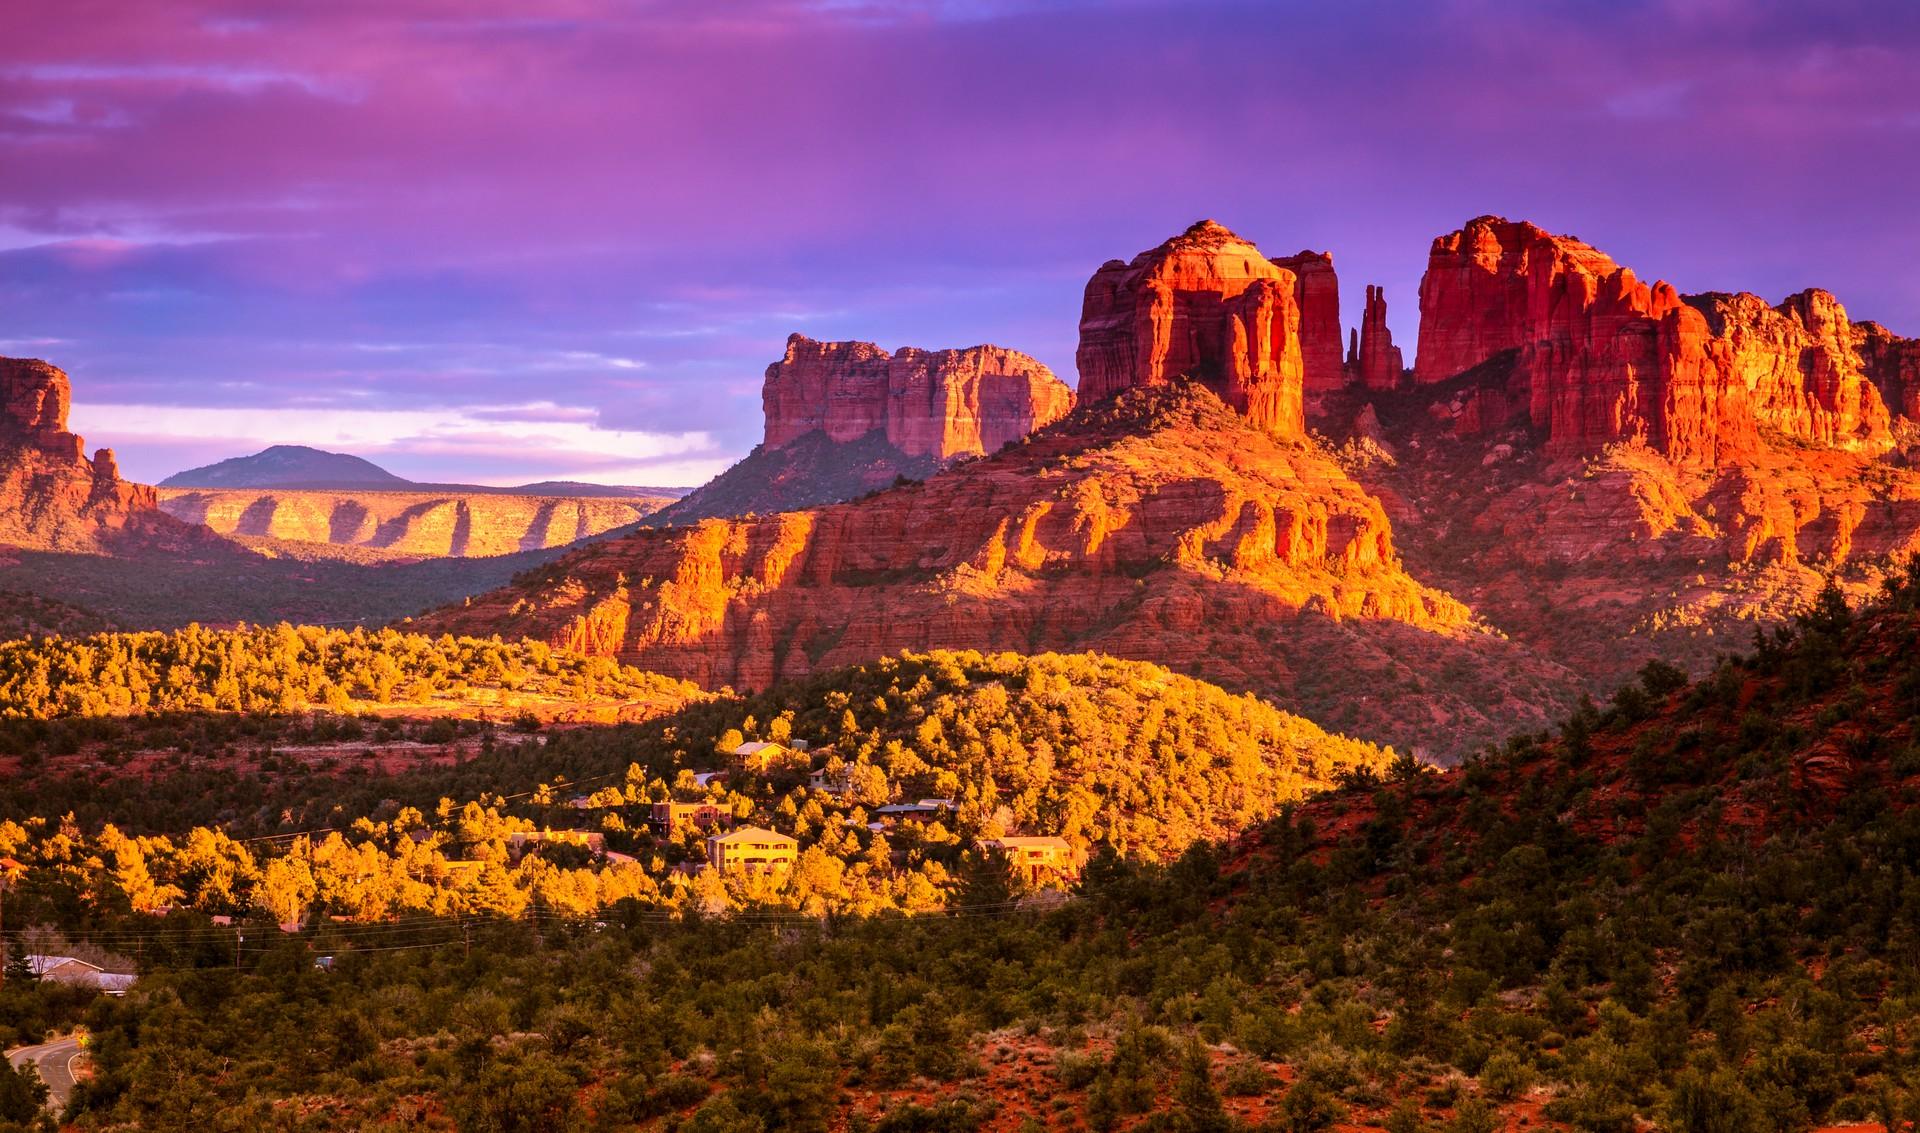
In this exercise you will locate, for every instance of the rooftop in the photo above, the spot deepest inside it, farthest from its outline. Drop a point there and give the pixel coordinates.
(756, 834)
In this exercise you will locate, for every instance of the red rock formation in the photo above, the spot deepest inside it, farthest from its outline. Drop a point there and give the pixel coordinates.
(1318, 295)
(1157, 525)
(51, 495)
(1602, 357)
(1373, 360)
(1893, 364)
(1800, 366)
(1205, 305)
(34, 399)
(941, 404)
(1479, 295)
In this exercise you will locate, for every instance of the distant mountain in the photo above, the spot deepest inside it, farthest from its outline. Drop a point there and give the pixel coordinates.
(312, 469)
(288, 466)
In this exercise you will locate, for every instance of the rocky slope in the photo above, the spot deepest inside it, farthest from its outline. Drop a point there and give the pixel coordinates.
(403, 523)
(1610, 471)
(1158, 525)
(846, 418)
(1893, 363)
(52, 495)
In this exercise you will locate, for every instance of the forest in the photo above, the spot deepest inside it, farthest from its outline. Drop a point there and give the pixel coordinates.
(1693, 906)
(1117, 757)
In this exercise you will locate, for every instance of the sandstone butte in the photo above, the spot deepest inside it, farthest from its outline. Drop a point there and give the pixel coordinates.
(407, 524)
(52, 496)
(847, 418)
(1207, 306)
(1593, 356)
(940, 404)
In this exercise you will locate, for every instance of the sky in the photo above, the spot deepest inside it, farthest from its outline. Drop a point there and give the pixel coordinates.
(497, 242)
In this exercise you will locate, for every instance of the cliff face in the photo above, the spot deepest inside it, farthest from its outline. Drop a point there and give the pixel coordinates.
(846, 418)
(1609, 470)
(1158, 525)
(1206, 305)
(1893, 364)
(1317, 293)
(34, 400)
(939, 404)
(52, 497)
(1489, 287)
(410, 524)
(1599, 357)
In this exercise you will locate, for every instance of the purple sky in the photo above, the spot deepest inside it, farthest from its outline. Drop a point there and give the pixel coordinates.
(495, 241)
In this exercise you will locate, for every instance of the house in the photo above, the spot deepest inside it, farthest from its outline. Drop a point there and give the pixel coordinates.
(79, 973)
(833, 783)
(926, 810)
(761, 755)
(671, 818)
(758, 755)
(1037, 859)
(752, 849)
(705, 779)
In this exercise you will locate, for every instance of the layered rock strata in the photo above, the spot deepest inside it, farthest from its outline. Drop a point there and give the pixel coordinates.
(1207, 306)
(1599, 357)
(940, 404)
(52, 496)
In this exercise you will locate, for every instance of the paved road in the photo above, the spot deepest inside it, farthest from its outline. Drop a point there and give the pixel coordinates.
(54, 1061)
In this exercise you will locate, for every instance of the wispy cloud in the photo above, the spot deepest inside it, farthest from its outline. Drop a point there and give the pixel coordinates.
(216, 76)
(499, 444)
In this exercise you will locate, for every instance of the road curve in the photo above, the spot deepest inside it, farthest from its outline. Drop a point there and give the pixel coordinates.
(54, 1063)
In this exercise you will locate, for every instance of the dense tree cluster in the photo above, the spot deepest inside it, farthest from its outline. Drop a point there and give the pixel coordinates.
(286, 669)
(1099, 750)
(1117, 757)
